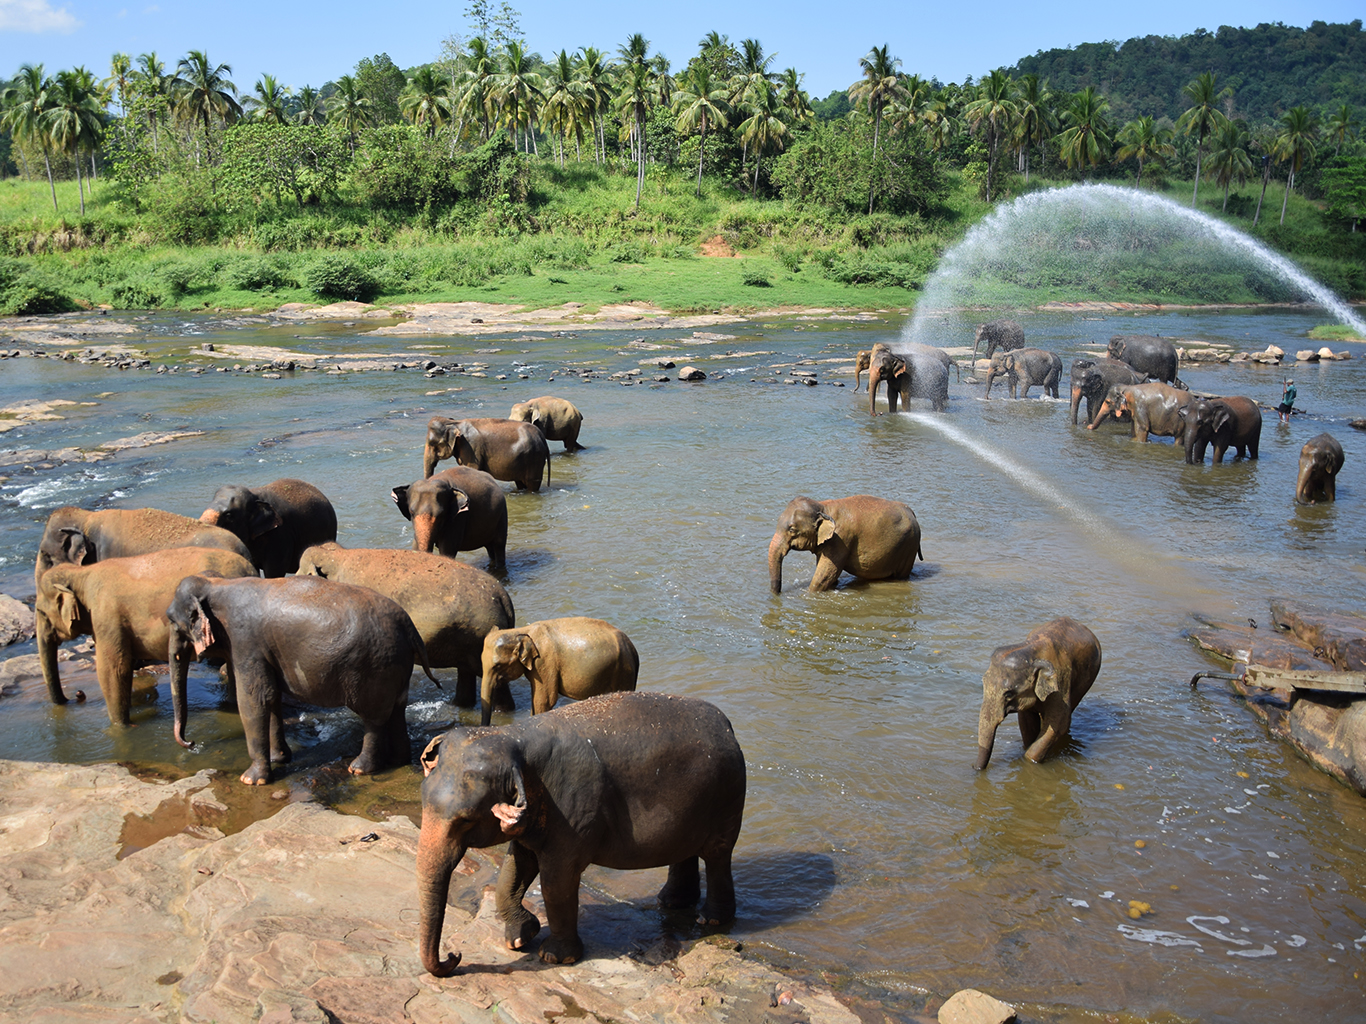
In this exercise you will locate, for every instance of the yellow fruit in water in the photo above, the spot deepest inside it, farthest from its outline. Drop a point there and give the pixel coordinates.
(1119, 785)
(1140, 843)
(1135, 913)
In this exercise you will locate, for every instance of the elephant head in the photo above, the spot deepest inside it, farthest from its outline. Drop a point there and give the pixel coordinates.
(194, 632)
(443, 434)
(1320, 460)
(861, 363)
(476, 793)
(58, 615)
(529, 412)
(508, 654)
(438, 511)
(1015, 681)
(319, 560)
(1116, 404)
(241, 511)
(1201, 420)
(803, 526)
(886, 365)
(1116, 347)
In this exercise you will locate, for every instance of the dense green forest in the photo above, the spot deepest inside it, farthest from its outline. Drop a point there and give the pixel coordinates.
(493, 167)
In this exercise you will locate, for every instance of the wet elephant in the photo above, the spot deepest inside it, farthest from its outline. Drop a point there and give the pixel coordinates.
(626, 781)
(869, 538)
(558, 419)
(276, 522)
(915, 371)
(1148, 354)
(1026, 368)
(1007, 335)
(458, 509)
(1320, 460)
(1041, 681)
(1153, 409)
(1092, 379)
(1234, 422)
(505, 449)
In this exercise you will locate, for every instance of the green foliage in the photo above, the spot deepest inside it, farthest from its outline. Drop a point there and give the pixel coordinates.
(1343, 186)
(341, 277)
(381, 81)
(138, 294)
(27, 291)
(756, 277)
(829, 164)
(262, 163)
(253, 274)
(400, 167)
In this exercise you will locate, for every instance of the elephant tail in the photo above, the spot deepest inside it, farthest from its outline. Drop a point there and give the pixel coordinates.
(547, 467)
(420, 651)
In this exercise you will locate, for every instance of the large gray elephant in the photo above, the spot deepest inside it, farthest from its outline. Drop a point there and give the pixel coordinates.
(1234, 422)
(558, 419)
(505, 449)
(915, 371)
(626, 780)
(1148, 354)
(1041, 681)
(1153, 408)
(453, 605)
(1092, 379)
(276, 522)
(1026, 367)
(1320, 460)
(458, 509)
(1007, 335)
(869, 538)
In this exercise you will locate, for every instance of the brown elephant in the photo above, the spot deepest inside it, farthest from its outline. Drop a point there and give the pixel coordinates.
(458, 509)
(121, 602)
(861, 362)
(1026, 367)
(886, 365)
(1234, 422)
(1320, 460)
(505, 449)
(1152, 408)
(869, 538)
(276, 522)
(918, 371)
(1092, 379)
(1041, 680)
(578, 657)
(1007, 335)
(453, 605)
(558, 419)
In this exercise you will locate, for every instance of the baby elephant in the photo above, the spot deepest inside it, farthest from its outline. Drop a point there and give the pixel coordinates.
(577, 657)
(1040, 680)
(1026, 367)
(869, 538)
(558, 419)
(1320, 459)
(329, 644)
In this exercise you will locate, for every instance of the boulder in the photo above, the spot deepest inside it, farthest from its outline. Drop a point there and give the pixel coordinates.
(969, 1006)
(1326, 353)
(16, 621)
(691, 373)
(1341, 636)
(1307, 355)
(1275, 350)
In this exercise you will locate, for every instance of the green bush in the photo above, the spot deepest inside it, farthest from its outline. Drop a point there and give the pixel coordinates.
(756, 277)
(30, 292)
(341, 277)
(251, 274)
(136, 295)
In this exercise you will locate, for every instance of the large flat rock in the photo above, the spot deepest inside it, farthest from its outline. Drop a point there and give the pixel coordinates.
(1342, 636)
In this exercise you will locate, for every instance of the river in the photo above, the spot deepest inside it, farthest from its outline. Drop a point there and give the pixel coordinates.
(871, 850)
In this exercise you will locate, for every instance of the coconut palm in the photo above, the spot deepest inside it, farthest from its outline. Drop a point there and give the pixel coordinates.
(1145, 141)
(120, 80)
(474, 88)
(1295, 144)
(1341, 126)
(202, 92)
(350, 108)
(992, 112)
(879, 86)
(267, 104)
(917, 108)
(595, 76)
(635, 92)
(426, 100)
(565, 108)
(518, 90)
(700, 103)
(73, 121)
(1086, 139)
(1034, 109)
(765, 128)
(27, 103)
(1202, 117)
(151, 81)
(311, 109)
(1228, 158)
(795, 100)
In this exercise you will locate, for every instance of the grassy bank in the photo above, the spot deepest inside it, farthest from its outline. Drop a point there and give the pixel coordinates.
(574, 239)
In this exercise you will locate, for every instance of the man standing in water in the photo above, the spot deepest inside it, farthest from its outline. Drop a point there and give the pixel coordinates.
(1287, 400)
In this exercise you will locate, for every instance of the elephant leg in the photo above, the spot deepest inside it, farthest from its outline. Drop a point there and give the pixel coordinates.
(255, 709)
(498, 554)
(1056, 722)
(1219, 450)
(720, 906)
(371, 756)
(465, 692)
(892, 396)
(398, 745)
(114, 669)
(1140, 432)
(1028, 722)
(520, 867)
(544, 695)
(684, 887)
(1330, 489)
(560, 889)
(279, 748)
(827, 573)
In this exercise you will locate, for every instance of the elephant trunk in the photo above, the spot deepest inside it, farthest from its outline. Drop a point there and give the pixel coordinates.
(491, 678)
(1304, 489)
(47, 657)
(1076, 403)
(179, 655)
(429, 460)
(874, 379)
(992, 715)
(424, 531)
(210, 516)
(777, 550)
(436, 861)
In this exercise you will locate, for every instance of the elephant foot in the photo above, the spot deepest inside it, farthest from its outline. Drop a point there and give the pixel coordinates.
(364, 764)
(716, 915)
(519, 934)
(256, 775)
(282, 756)
(562, 951)
(464, 693)
(680, 896)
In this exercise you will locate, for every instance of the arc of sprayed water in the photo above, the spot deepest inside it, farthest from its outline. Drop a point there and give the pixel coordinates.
(991, 230)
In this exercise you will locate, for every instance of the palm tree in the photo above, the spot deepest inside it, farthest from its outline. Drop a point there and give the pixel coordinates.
(27, 104)
(917, 108)
(1341, 126)
(267, 103)
(564, 108)
(1033, 105)
(475, 88)
(350, 108)
(202, 92)
(597, 93)
(1295, 145)
(120, 80)
(993, 108)
(426, 100)
(518, 90)
(879, 86)
(152, 82)
(796, 101)
(1229, 159)
(700, 103)
(311, 109)
(636, 89)
(1087, 135)
(764, 129)
(1201, 117)
(1143, 140)
(73, 121)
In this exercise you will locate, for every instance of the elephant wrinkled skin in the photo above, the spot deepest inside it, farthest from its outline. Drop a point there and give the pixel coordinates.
(1148, 354)
(1007, 335)
(1025, 368)
(1233, 422)
(626, 781)
(505, 449)
(558, 419)
(869, 538)
(1041, 681)
(276, 522)
(458, 509)
(1320, 460)
(1092, 379)
(1153, 409)
(918, 371)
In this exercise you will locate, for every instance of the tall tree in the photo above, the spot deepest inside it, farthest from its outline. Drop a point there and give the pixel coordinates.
(1228, 158)
(26, 105)
(596, 77)
(267, 103)
(1086, 139)
(879, 86)
(565, 108)
(993, 112)
(311, 108)
(350, 108)
(700, 104)
(795, 100)
(765, 128)
(1342, 126)
(120, 80)
(518, 89)
(426, 101)
(1295, 144)
(1201, 118)
(152, 82)
(381, 80)
(634, 94)
(1145, 141)
(73, 122)
(1034, 106)
(202, 92)
(474, 89)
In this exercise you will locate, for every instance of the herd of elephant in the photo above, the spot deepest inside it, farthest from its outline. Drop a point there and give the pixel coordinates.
(1137, 380)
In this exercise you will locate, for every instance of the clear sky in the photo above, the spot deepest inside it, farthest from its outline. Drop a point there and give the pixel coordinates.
(309, 43)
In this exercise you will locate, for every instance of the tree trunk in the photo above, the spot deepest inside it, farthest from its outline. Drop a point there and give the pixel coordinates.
(1226, 185)
(640, 160)
(758, 159)
(877, 129)
(51, 184)
(1199, 152)
(1288, 178)
(80, 185)
(1266, 177)
(701, 152)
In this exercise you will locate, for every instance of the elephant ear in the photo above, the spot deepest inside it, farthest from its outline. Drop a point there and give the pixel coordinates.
(75, 546)
(430, 754)
(203, 637)
(1222, 417)
(1045, 681)
(461, 499)
(68, 606)
(825, 529)
(527, 651)
(400, 496)
(261, 517)
(510, 816)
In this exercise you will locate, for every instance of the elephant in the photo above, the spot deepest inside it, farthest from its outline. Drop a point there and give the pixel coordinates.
(276, 522)
(505, 449)
(1027, 367)
(558, 419)
(578, 657)
(1007, 335)
(1153, 408)
(1148, 354)
(920, 371)
(329, 644)
(869, 538)
(121, 602)
(1233, 422)
(861, 362)
(453, 605)
(1092, 379)
(625, 780)
(1041, 680)
(458, 509)
(1320, 460)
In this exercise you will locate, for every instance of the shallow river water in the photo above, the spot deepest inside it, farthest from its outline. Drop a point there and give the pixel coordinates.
(871, 850)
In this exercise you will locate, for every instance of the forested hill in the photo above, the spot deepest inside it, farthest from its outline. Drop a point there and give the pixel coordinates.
(1271, 68)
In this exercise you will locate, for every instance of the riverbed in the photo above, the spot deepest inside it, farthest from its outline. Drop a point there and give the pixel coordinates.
(871, 850)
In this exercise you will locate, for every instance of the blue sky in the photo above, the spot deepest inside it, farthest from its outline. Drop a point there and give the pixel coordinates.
(309, 43)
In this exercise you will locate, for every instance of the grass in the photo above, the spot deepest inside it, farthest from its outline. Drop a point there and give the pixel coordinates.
(1334, 332)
